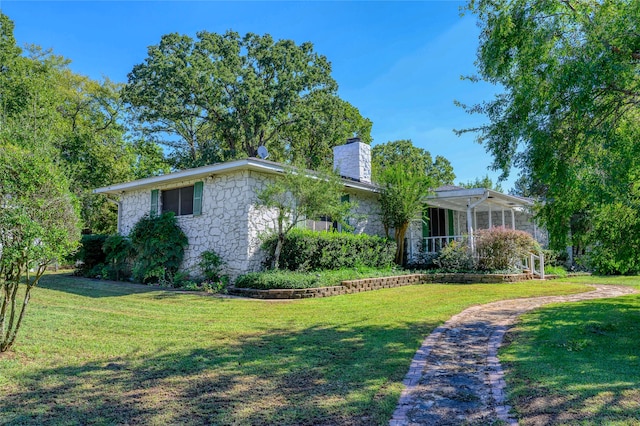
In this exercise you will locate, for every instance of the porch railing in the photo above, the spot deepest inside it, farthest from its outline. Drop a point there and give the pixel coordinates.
(435, 244)
(530, 264)
(533, 262)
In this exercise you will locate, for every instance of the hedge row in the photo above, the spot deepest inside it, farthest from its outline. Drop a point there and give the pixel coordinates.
(282, 279)
(306, 250)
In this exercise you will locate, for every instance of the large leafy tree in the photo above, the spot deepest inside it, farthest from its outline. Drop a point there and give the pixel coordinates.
(407, 175)
(38, 225)
(569, 114)
(484, 182)
(323, 121)
(404, 152)
(73, 120)
(221, 96)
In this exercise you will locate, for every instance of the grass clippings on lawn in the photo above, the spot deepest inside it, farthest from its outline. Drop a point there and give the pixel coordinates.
(97, 352)
(577, 363)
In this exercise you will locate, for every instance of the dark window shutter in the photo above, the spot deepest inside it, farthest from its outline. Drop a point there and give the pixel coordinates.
(451, 228)
(154, 203)
(197, 198)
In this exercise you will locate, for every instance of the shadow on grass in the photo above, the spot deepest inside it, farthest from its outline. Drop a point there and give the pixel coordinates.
(94, 288)
(327, 376)
(578, 363)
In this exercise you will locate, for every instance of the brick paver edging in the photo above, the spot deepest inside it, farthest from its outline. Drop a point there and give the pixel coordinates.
(368, 284)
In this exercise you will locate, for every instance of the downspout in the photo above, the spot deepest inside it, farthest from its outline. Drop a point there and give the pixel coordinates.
(119, 204)
(471, 206)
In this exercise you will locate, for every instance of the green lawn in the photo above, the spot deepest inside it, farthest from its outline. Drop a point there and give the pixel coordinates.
(577, 363)
(97, 352)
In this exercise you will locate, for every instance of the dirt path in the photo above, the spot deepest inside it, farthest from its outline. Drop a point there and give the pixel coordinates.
(456, 378)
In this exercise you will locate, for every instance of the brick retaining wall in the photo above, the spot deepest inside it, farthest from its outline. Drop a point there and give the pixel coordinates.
(368, 284)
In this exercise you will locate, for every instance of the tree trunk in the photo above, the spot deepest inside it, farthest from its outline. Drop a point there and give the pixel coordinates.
(400, 232)
(275, 263)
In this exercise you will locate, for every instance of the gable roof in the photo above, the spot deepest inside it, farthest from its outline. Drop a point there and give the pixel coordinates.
(254, 164)
(447, 196)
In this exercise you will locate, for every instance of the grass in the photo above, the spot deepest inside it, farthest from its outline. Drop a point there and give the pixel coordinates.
(577, 363)
(558, 271)
(99, 352)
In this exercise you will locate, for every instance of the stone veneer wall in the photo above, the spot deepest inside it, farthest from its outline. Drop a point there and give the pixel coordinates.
(230, 223)
(367, 217)
(221, 227)
(353, 160)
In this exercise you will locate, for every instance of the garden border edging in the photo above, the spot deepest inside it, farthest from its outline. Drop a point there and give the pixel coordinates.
(369, 284)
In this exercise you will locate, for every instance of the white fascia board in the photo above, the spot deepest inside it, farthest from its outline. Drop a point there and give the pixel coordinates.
(495, 198)
(199, 172)
(459, 193)
(205, 171)
(366, 187)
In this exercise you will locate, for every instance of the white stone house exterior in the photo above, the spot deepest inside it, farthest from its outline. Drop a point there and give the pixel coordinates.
(216, 207)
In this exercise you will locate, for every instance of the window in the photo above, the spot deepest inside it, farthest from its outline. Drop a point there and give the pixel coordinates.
(181, 201)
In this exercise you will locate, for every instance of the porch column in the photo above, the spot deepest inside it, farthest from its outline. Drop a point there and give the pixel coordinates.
(513, 219)
(475, 218)
(470, 226)
(503, 217)
(490, 224)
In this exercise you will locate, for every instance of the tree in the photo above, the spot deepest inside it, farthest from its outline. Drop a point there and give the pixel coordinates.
(407, 175)
(79, 122)
(221, 96)
(569, 114)
(38, 225)
(323, 121)
(299, 195)
(404, 152)
(484, 182)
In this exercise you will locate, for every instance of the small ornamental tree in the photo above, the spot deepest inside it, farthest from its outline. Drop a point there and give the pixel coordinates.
(300, 195)
(406, 175)
(38, 225)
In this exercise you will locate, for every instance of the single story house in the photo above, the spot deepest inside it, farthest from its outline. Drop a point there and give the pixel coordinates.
(216, 207)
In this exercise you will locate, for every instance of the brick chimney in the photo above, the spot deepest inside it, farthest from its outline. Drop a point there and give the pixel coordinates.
(353, 160)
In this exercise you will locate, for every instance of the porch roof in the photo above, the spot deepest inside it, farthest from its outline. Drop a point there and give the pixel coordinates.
(456, 198)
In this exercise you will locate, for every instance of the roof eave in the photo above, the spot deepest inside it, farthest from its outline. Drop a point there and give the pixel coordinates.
(199, 172)
(210, 170)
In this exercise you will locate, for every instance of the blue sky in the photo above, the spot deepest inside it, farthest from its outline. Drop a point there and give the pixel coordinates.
(399, 63)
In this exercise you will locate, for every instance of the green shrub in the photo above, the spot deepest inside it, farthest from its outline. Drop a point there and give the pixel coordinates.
(615, 240)
(118, 252)
(500, 248)
(211, 265)
(306, 250)
(278, 279)
(91, 257)
(283, 279)
(558, 271)
(158, 245)
(455, 257)
(555, 257)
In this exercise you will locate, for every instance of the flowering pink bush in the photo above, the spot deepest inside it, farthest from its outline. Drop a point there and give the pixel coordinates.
(500, 248)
